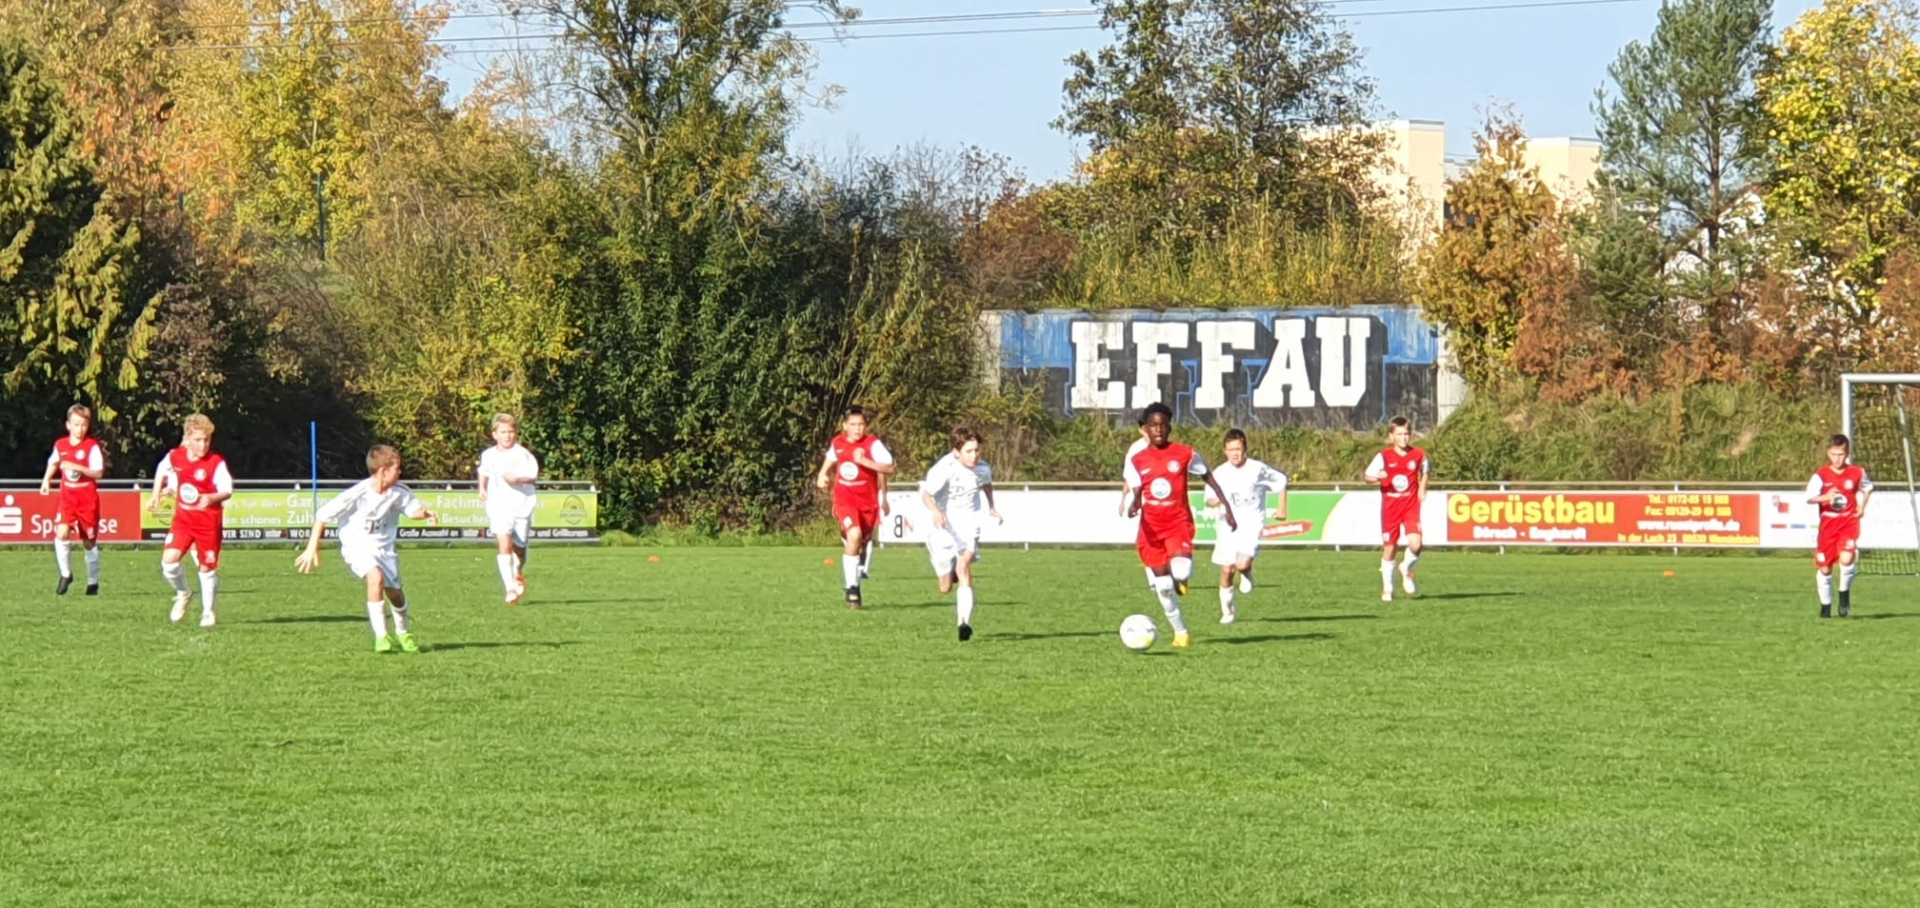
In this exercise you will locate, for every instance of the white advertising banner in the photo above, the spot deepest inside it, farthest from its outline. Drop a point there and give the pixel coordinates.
(1692, 519)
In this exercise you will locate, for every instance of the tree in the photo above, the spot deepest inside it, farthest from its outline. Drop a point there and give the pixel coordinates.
(1203, 104)
(1841, 161)
(1676, 131)
(76, 312)
(1477, 277)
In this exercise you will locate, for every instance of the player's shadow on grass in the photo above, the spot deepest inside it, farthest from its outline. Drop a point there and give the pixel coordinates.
(1290, 619)
(308, 619)
(630, 600)
(944, 603)
(1442, 597)
(1059, 636)
(1271, 638)
(1886, 616)
(452, 647)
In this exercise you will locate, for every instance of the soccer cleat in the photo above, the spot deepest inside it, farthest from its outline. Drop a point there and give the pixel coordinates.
(1846, 603)
(93, 589)
(179, 611)
(1246, 583)
(1406, 583)
(513, 595)
(966, 632)
(407, 643)
(61, 589)
(1228, 614)
(1182, 640)
(520, 583)
(1826, 611)
(1386, 595)
(1180, 587)
(853, 597)
(206, 619)
(384, 644)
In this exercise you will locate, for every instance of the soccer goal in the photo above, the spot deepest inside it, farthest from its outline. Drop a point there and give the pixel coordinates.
(1878, 412)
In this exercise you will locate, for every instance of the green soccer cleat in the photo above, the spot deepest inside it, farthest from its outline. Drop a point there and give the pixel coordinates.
(407, 643)
(383, 645)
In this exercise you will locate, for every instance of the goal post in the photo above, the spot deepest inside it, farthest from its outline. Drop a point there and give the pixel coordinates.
(1877, 411)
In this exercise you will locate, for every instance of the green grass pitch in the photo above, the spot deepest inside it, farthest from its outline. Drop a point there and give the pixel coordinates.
(717, 729)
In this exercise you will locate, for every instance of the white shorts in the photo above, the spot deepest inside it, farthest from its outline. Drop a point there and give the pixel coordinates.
(1230, 548)
(944, 545)
(503, 525)
(361, 560)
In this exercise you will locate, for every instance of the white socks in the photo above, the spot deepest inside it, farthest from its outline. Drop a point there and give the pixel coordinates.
(377, 617)
(1169, 603)
(1407, 563)
(963, 600)
(1226, 602)
(209, 588)
(63, 556)
(1846, 576)
(1386, 575)
(1824, 583)
(850, 570)
(93, 566)
(1182, 569)
(400, 619)
(507, 570)
(176, 576)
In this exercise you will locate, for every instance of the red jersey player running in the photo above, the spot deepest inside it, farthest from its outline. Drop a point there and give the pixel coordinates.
(1401, 470)
(78, 462)
(200, 484)
(1841, 489)
(856, 465)
(1157, 475)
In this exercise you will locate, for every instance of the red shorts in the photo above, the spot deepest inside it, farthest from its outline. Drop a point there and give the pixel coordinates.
(1836, 536)
(82, 512)
(1399, 519)
(867, 520)
(1160, 545)
(200, 535)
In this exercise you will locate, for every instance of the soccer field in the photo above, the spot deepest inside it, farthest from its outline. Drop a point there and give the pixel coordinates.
(717, 729)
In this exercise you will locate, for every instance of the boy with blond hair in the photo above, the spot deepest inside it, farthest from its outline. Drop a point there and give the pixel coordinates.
(507, 475)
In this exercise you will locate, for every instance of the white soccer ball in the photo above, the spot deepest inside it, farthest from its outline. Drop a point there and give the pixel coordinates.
(1138, 632)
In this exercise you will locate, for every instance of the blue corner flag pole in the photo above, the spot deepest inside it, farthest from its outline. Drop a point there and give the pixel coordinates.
(313, 452)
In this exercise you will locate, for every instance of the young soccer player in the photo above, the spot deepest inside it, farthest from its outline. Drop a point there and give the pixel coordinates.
(1158, 478)
(1401, 470)
(854, 465)
(507, 475)
(79, 463)
(1841, 489)
(369, 517)
(199, 482)
(958, 492)
(1246, 482)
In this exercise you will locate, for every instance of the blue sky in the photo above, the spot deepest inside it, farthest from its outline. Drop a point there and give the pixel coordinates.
(1000, 91)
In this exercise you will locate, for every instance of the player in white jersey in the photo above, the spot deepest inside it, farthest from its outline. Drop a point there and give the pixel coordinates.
(507, 474)
(1246, 483)
(958, 492)
(369, 517)
(1139, 444)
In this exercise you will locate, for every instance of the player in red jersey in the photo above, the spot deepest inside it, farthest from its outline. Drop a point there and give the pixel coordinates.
(1401, 470)
(856, 467)
(79, 462)
(200, 484)
(1157, 476)
(1841, 489)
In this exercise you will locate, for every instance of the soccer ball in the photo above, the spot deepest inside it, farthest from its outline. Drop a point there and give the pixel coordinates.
(1138, 632)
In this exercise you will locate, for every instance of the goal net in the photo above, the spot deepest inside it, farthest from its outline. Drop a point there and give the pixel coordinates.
(1879, 413)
